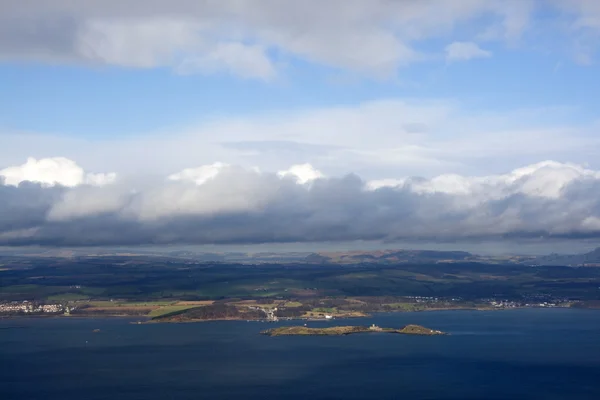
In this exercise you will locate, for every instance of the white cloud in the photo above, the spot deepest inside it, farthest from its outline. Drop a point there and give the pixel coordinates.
(302, 173)
(385, 183)
(200, 174)
(53, 171)
(545, 179)
(239, 205)
(88, 201)
(373, 37)
(155, 42)
(246, 61)
(462, 51)
(376, 139)
(580, 24)
(142, 43)
(586, 12)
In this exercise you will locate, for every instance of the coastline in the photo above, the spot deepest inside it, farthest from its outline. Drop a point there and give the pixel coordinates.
(139, 319)
(410, 329)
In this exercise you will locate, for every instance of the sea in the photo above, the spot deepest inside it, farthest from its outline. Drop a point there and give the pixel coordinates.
(511, 354)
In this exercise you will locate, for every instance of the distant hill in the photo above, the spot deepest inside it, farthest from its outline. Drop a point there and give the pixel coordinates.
(197, 256)
(352, 257)
(591, 259)
(389, 256)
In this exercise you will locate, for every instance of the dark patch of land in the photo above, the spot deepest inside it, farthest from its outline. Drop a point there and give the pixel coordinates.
(590, 259)
(348, 330)
(211, 313)
(186, 289)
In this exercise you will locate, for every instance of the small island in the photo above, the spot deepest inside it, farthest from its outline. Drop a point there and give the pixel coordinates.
(348, 330)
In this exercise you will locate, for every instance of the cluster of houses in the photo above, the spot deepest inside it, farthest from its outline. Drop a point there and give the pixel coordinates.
(424, 299)
(513, 304)
(269, 312)
(504, 304)
(32, 308)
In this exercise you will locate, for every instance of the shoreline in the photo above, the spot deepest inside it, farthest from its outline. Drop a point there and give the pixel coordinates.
(144, 320)
(410, 329)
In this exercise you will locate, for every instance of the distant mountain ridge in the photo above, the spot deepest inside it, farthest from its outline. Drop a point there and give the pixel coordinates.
(591, 259)
(389, 256)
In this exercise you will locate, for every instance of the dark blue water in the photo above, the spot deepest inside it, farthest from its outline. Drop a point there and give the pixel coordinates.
(519, 354)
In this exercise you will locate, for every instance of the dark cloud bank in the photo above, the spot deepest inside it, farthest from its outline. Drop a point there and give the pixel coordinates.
(242, 207)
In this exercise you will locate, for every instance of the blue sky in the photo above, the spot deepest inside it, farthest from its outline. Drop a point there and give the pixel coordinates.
(103, 72)
(455, 93)
(125, 101)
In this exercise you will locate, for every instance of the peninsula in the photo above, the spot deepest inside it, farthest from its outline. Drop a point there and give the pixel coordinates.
(348, 330)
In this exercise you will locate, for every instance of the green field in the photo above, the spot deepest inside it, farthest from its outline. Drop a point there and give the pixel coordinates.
(169, 309)
(62, 297)
(155, 283)
(107, 303)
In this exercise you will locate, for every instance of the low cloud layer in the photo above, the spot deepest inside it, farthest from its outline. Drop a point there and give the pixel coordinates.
(228, 204)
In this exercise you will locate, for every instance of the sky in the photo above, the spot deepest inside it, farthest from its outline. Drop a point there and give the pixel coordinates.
(239, 122)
